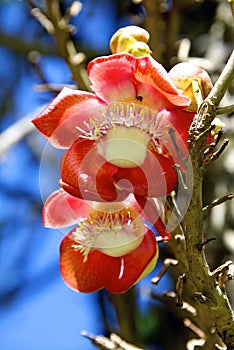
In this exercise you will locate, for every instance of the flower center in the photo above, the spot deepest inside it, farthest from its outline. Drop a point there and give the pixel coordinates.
(123, 132)
(124, 146)
(114, 233)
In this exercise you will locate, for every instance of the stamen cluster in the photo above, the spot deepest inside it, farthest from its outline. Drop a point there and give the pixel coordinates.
(130, 115)
(104, 231)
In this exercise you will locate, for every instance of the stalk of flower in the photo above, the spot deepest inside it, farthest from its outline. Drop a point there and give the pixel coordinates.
(111, 246)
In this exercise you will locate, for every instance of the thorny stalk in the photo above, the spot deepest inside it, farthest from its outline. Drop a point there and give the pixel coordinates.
(214, 315)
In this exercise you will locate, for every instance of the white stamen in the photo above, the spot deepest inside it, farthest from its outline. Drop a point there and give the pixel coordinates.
(113, 233)
(124, 146)
(128, 115)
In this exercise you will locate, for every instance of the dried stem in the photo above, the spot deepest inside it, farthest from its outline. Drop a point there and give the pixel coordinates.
(223, 82)
(58, 26)
(16, 132)
(218, 201)
(112, 343)
(231, 2)
(216, 154)
(225, 110)
(166, 264)
(192, 343)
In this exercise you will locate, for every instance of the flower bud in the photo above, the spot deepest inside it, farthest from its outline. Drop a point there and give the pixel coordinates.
(131, 39)
(139, 49)
(219, 125)
(193, 81)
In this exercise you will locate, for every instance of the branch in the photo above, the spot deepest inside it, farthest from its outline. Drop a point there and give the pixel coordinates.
(171, 299)
(216, 154)
(58, 26)
(212, 306)
(218, 201)
(125, 307)
(223, 82)
(166, 264)
(225, 110)
(16, 132)
(112, 343)
(154, 25)
(201, 125)
(231, 2)
(226, 271)
(192, 343)
(19, 45)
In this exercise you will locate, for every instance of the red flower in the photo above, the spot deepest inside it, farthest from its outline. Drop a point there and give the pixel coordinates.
(111, 246)
(118, 138)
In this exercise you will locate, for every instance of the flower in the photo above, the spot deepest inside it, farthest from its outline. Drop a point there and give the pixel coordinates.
(131, 39)
(193, 81)
(118, 139)
(110, 247)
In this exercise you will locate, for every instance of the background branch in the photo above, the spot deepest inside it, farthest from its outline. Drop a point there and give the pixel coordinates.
(16, 132)
(57, 25)
(223, 82)
(112, 343)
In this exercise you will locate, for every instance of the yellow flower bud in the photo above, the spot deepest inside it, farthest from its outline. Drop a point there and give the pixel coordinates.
(194, 82)
(131, 39)
(139, 49)
(219, 125)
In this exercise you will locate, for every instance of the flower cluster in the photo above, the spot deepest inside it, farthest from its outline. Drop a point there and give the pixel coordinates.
(120, 157)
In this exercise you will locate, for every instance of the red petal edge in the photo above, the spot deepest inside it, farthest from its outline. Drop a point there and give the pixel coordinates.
(59, 120)
(149, 71)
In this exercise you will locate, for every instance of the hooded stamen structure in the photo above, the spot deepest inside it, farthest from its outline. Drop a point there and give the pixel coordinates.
(113, 233)
(123, 131)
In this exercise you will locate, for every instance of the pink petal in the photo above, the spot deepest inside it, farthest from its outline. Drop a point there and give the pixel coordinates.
(153, 98)
(61, 210)
(69, 110)
(102, 271)
(150, 72)
(179, 120)
(111, 77)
